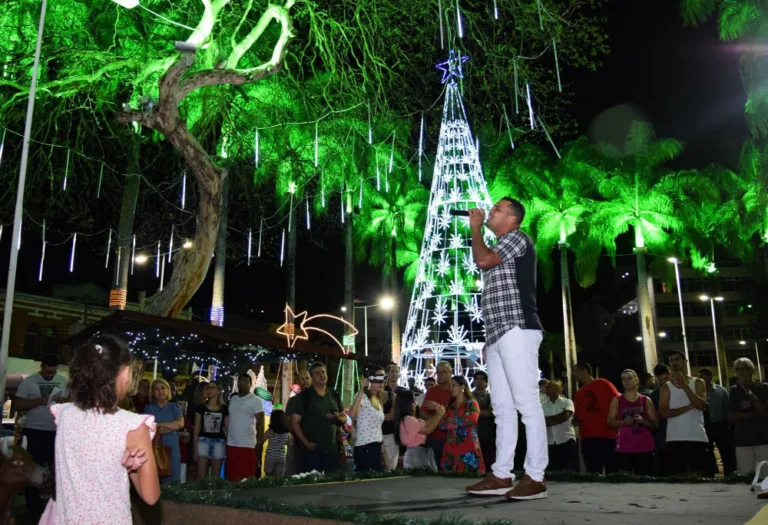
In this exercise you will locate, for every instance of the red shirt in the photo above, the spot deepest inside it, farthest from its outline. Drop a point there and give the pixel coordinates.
(592, 403)
(441, 397)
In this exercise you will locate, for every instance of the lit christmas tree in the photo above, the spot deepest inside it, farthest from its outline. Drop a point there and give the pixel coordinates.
(444, 320)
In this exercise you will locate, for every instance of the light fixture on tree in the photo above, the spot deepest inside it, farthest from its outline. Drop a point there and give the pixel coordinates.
(187, 244)
(141, 258)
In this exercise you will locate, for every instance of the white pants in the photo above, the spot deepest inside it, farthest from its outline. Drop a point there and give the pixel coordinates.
(513, 377)
(747, 458)
(391, 450)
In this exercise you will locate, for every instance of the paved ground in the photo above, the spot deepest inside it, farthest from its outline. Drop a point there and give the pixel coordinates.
(591, 503)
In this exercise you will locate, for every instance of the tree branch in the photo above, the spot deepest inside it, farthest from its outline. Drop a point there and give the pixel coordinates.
(274, 12)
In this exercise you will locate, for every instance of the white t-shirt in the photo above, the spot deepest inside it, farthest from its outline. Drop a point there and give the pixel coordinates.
(562, 433)
(36, 387)
(369, 420)
(242, 420)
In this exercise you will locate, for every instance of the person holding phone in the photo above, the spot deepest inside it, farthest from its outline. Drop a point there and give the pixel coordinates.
(749, 415)
(368, 410)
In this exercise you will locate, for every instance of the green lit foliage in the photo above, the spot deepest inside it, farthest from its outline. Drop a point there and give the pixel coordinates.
(747, 21)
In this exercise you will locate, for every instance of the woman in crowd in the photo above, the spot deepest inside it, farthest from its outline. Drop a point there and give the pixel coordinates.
(462, 445)
(278, 438)
(368, 411)
(210, 438)
(634, 415)
(411, 431)
(92, 484)
(169, 421)
(141, 399)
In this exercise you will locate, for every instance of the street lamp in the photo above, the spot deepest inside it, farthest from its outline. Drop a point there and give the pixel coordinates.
(712, 300)
(674, 261)
(386, 303)
(141, 258)
(757, 359)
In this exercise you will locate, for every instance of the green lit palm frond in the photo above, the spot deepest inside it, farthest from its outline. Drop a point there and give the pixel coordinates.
(737, 18)
(697, 12)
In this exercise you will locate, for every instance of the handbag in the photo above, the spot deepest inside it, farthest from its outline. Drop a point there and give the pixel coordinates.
(162, 456)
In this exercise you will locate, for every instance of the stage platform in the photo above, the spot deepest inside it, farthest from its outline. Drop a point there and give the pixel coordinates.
(592, 503)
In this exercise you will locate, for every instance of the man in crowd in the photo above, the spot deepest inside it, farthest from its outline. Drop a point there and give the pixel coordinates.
(716, 424)
(441, 395)
(245, 437)
(428, 383)
(486, 424)
(513, 335)
(389, 445)
(647, 384)
(661, 371)
(317, 414)
(35, 395)
(292, 459)
(748, 415)
(561, 438)
(593, 399)
(543, 390)
(682, 403)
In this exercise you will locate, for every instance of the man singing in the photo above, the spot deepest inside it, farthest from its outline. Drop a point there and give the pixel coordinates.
(513, 335)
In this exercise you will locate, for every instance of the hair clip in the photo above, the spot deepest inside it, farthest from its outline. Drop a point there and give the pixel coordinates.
(99, 349)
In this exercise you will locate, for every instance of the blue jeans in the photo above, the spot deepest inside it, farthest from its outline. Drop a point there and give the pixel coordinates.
(368, 457)
(436, 445)
(319, 460)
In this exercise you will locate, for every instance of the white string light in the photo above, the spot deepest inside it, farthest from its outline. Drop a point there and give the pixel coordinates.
(162, 273)
(495, 10)
(2, 145)
(117, 269)
(109, 248)
(42, 256)
(378, 175)
(183, 189)
(342, 203)
(530, 105)
(322, 191)
(18, 241)
(442, 31)
(250, 245)
(256, 148)
(458, 20)
(557, 66)
(392, 154)
(290, 214)
(261, 230)
(307, 201)
(509, 128)
(282, 248)
(72, 254)
(66, 170)
(317, 145)
(170, 244)
(370, 129)
(133, 252)
(1, 232)
(360, 199)
(517, 91)
(101, 178)
(157, 261)
(421, 143)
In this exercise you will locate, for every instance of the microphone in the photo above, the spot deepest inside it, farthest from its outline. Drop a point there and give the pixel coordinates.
(459, 213)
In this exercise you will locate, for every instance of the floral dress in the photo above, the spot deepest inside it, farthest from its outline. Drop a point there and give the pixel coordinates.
(462, 445)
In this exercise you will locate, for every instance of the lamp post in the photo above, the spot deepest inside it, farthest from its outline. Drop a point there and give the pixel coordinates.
(757, 360)
(386, 303)
(19, 210)
(712, 300)
(674, 261)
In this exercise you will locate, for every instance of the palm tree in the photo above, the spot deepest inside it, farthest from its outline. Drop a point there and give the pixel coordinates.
(390, 215)
(739, 20)
(559, 194)
(639, 197)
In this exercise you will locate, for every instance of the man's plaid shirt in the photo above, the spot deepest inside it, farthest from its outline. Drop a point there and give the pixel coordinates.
(509, 289)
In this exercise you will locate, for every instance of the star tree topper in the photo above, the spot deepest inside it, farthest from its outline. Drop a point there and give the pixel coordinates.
(452, 67)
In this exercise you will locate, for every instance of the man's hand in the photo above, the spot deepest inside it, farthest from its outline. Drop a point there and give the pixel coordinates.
(335, 416)
(310, 446)
(476, 218)
(677, 377)
(628, 421)
(134, 458)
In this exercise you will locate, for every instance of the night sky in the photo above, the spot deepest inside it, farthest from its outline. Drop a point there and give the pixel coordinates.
(683, 79)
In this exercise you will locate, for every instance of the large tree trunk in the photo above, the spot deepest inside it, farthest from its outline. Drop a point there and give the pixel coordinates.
(220, 268)
(290, 298)
(394, 290)
(645, 313)
(118, 296)
(348, 377)
(570, 348)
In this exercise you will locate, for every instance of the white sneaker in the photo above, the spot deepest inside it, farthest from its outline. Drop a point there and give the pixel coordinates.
(760, 485)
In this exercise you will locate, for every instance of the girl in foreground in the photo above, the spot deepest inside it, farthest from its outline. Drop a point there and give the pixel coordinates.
(98, 446)
(411, 431)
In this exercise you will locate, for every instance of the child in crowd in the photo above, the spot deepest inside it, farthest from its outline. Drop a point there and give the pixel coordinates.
(99, 447)
(278, 437)
(211, 424)
(411, 431)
